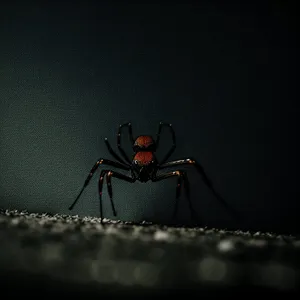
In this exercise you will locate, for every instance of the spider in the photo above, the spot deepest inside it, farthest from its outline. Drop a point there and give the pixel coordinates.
(144, 166)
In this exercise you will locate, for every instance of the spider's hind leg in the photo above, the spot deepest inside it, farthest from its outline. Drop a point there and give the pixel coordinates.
(207, 182)
(186, 186)
(182, 178)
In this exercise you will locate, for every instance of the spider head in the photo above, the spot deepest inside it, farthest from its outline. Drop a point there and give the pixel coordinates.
(144, 143)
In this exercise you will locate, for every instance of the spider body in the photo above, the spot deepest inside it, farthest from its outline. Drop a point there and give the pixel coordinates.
(144, 166)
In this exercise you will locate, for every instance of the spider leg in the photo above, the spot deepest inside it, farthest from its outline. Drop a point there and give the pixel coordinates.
(186, 185)
(119, 140)
(100, 161)
(181, 178)
(206, 180)
(113, 153)
(161, 125)
(110, 174)
(100, 187)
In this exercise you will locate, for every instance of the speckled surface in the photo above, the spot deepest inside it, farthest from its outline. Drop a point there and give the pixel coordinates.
(72, 254)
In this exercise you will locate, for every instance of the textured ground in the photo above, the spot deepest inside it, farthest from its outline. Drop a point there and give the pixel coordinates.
(80, 256)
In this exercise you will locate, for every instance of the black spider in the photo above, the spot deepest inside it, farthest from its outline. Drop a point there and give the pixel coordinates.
(144, 167)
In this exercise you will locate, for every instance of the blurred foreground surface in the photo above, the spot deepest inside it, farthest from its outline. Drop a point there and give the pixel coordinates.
(79, 256)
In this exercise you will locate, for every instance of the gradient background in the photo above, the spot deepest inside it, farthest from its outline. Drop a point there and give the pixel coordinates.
(224, 76)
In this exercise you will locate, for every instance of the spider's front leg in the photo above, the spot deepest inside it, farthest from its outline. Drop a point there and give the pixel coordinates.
(206, 180)
(129, 126)
(181, 178)
(169, 153)
(99, 162)
(110, 174)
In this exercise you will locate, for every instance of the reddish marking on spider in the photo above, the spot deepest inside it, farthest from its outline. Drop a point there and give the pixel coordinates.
(144, 141)
(144, 157)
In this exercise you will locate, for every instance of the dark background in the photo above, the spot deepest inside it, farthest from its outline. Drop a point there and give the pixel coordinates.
(223, 75)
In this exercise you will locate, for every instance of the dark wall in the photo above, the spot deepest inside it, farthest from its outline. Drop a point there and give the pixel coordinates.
(223, 76)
